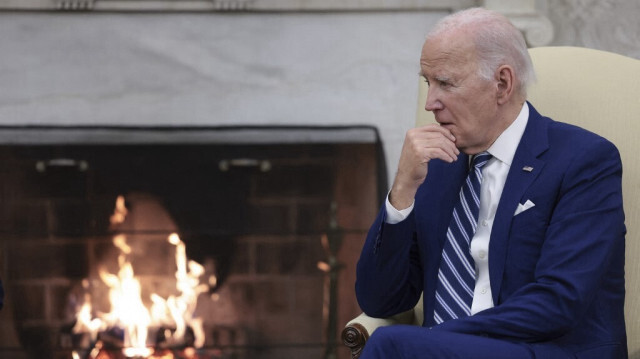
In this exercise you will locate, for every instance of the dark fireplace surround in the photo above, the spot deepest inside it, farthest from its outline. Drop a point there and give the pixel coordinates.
(258, 207)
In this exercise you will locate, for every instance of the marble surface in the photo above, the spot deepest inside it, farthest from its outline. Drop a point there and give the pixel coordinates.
(610, 25)
(211, 69)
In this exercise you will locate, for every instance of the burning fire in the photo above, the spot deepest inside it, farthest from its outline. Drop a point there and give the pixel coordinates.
(128, 311)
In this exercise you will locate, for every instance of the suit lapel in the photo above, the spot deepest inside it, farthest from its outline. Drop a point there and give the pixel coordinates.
(447, 191)
(533, 143)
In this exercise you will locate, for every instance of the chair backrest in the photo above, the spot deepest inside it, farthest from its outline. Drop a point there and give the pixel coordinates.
(599, 91)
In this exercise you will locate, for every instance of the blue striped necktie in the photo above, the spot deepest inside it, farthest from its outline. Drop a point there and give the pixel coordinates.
(457, 274)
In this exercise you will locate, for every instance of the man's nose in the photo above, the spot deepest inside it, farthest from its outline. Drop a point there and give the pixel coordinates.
(433, 103)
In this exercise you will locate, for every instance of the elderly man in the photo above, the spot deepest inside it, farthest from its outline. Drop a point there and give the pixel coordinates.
(509, 223)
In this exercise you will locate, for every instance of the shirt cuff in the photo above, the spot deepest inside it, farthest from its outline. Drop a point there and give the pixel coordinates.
(394, 215)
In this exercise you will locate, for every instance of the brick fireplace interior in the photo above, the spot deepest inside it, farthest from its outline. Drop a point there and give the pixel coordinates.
(258, 208)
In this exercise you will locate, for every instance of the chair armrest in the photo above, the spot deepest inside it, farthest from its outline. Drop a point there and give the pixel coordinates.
(354, 336)
(356, 333)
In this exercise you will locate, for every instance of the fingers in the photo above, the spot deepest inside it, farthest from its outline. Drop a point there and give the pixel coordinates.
(421, 145)
(431, 141)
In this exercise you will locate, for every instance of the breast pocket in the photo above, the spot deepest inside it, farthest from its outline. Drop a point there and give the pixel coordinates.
(526, 236)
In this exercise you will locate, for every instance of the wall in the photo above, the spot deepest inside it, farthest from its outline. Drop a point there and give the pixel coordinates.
(610, 25)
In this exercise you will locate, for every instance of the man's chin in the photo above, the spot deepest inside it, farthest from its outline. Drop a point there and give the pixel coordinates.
(467, 150)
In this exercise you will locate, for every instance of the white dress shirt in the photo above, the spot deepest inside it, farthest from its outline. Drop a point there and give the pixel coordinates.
(494, 175)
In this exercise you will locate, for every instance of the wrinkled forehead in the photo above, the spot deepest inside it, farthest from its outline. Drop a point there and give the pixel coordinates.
(448, 50)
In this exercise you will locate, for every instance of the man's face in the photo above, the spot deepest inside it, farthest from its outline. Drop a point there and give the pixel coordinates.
(461, 100)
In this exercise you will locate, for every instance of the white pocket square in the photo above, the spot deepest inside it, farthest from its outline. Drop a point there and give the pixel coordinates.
(523, 207)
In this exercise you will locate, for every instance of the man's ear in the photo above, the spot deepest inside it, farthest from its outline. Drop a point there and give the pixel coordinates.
(505, 77)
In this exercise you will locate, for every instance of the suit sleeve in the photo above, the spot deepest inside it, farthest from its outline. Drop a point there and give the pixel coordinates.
(583, 247)
(389, 274)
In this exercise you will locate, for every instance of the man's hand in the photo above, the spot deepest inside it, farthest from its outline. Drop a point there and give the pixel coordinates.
(421, 145)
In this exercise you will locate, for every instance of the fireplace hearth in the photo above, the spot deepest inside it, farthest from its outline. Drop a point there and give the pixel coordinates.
(254, 208)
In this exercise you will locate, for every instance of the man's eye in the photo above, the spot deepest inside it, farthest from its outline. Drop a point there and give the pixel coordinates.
(444, 84)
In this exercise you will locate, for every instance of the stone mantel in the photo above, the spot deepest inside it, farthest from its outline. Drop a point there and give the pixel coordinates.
(236, 5)
(528, 15)
(248, 5)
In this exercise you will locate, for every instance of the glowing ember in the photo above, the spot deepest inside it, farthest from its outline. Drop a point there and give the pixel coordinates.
(128, 311)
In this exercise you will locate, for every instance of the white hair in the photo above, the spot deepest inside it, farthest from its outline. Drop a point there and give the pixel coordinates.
(497, 41)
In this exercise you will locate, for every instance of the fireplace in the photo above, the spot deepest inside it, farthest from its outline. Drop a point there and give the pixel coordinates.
(270, 221)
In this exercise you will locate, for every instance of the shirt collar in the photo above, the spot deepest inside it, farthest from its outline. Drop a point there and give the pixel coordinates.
(504, 147)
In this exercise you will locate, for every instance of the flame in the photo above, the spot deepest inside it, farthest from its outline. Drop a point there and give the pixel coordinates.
(137, 352)
(120, 212)
(128, 310)
(183, 306)
(125, 294)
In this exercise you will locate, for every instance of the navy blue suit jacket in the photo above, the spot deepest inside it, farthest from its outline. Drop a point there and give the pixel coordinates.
(556, 269)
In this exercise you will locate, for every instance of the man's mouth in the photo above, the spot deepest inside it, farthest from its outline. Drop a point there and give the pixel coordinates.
(441, 122)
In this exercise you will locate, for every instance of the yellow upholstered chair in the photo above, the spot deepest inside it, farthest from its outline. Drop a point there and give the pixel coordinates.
(596, 90)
